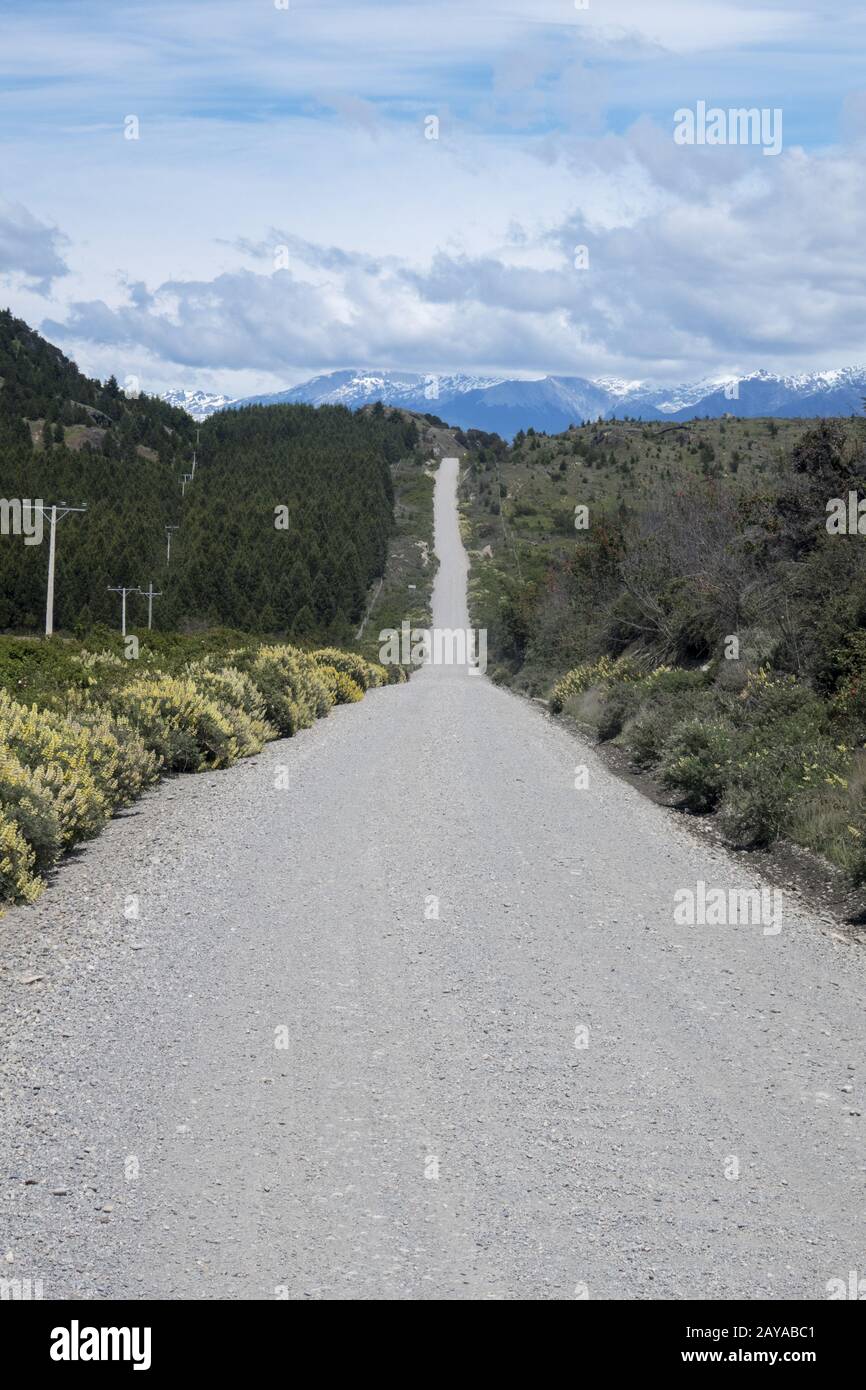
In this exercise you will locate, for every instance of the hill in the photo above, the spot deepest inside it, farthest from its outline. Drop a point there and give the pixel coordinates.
(538, 580)
(283, 515)
(683, 591)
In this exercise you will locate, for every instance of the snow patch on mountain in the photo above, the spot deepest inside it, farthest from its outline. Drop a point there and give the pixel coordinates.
(198, 404)
(549, 404)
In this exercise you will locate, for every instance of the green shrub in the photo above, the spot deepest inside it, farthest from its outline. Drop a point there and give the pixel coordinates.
(769, 698)
(695, 763)
(852, 853)
(646, 736)
(666, 699)
(617, 705)
(673, 680)
(754, 811)
(830, 816)
(394, 674)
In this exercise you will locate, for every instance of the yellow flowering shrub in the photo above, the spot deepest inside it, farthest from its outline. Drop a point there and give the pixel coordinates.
(364, 673)
(28, 802)
(186, 730)
(42, 740)
(344, 690)
(90, 661)
(105, 735)
(239, 700)
(589, 673)
(291, 683)
(120, 761)
(18, 882)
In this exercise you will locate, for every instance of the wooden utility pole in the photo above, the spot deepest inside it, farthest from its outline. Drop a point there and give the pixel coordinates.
(150, 593)
(56, 512)
(123, 590)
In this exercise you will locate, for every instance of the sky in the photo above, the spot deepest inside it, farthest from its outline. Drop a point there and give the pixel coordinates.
(487, 186)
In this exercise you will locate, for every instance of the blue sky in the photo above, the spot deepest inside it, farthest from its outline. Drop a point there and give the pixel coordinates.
(282, 212)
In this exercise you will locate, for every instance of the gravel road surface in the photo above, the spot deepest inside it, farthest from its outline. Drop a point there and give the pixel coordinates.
(422, 1025)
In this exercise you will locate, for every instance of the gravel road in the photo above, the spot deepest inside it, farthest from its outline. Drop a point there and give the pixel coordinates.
(422, 1025)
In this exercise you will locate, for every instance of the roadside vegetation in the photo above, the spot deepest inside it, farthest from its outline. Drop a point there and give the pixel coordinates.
(295, 534)
(704, 619)
(83, 731)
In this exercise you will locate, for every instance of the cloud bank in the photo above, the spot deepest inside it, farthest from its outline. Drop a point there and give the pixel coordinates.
(284, 212)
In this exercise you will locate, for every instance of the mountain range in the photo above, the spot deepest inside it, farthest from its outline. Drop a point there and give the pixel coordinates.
(504, 406)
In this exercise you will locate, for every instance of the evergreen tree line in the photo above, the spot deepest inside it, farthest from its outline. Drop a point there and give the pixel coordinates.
(288, 519)
(282, 530)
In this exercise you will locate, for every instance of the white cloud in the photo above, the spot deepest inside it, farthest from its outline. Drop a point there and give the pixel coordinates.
(29, 249)
(749, 269)
(555, 130)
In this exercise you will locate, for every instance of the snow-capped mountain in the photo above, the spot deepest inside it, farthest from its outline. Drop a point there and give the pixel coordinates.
(356, 388)
(198, 404)
(550, 404)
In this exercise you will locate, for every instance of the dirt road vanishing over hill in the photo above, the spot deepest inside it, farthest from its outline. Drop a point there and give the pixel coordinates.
(425, 1023)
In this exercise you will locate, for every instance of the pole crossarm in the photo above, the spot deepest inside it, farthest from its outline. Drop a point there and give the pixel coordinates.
(60, 509)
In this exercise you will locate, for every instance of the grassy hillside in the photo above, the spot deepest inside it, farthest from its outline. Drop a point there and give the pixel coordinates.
(520, 503)
(701, 615)
(45, 399)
